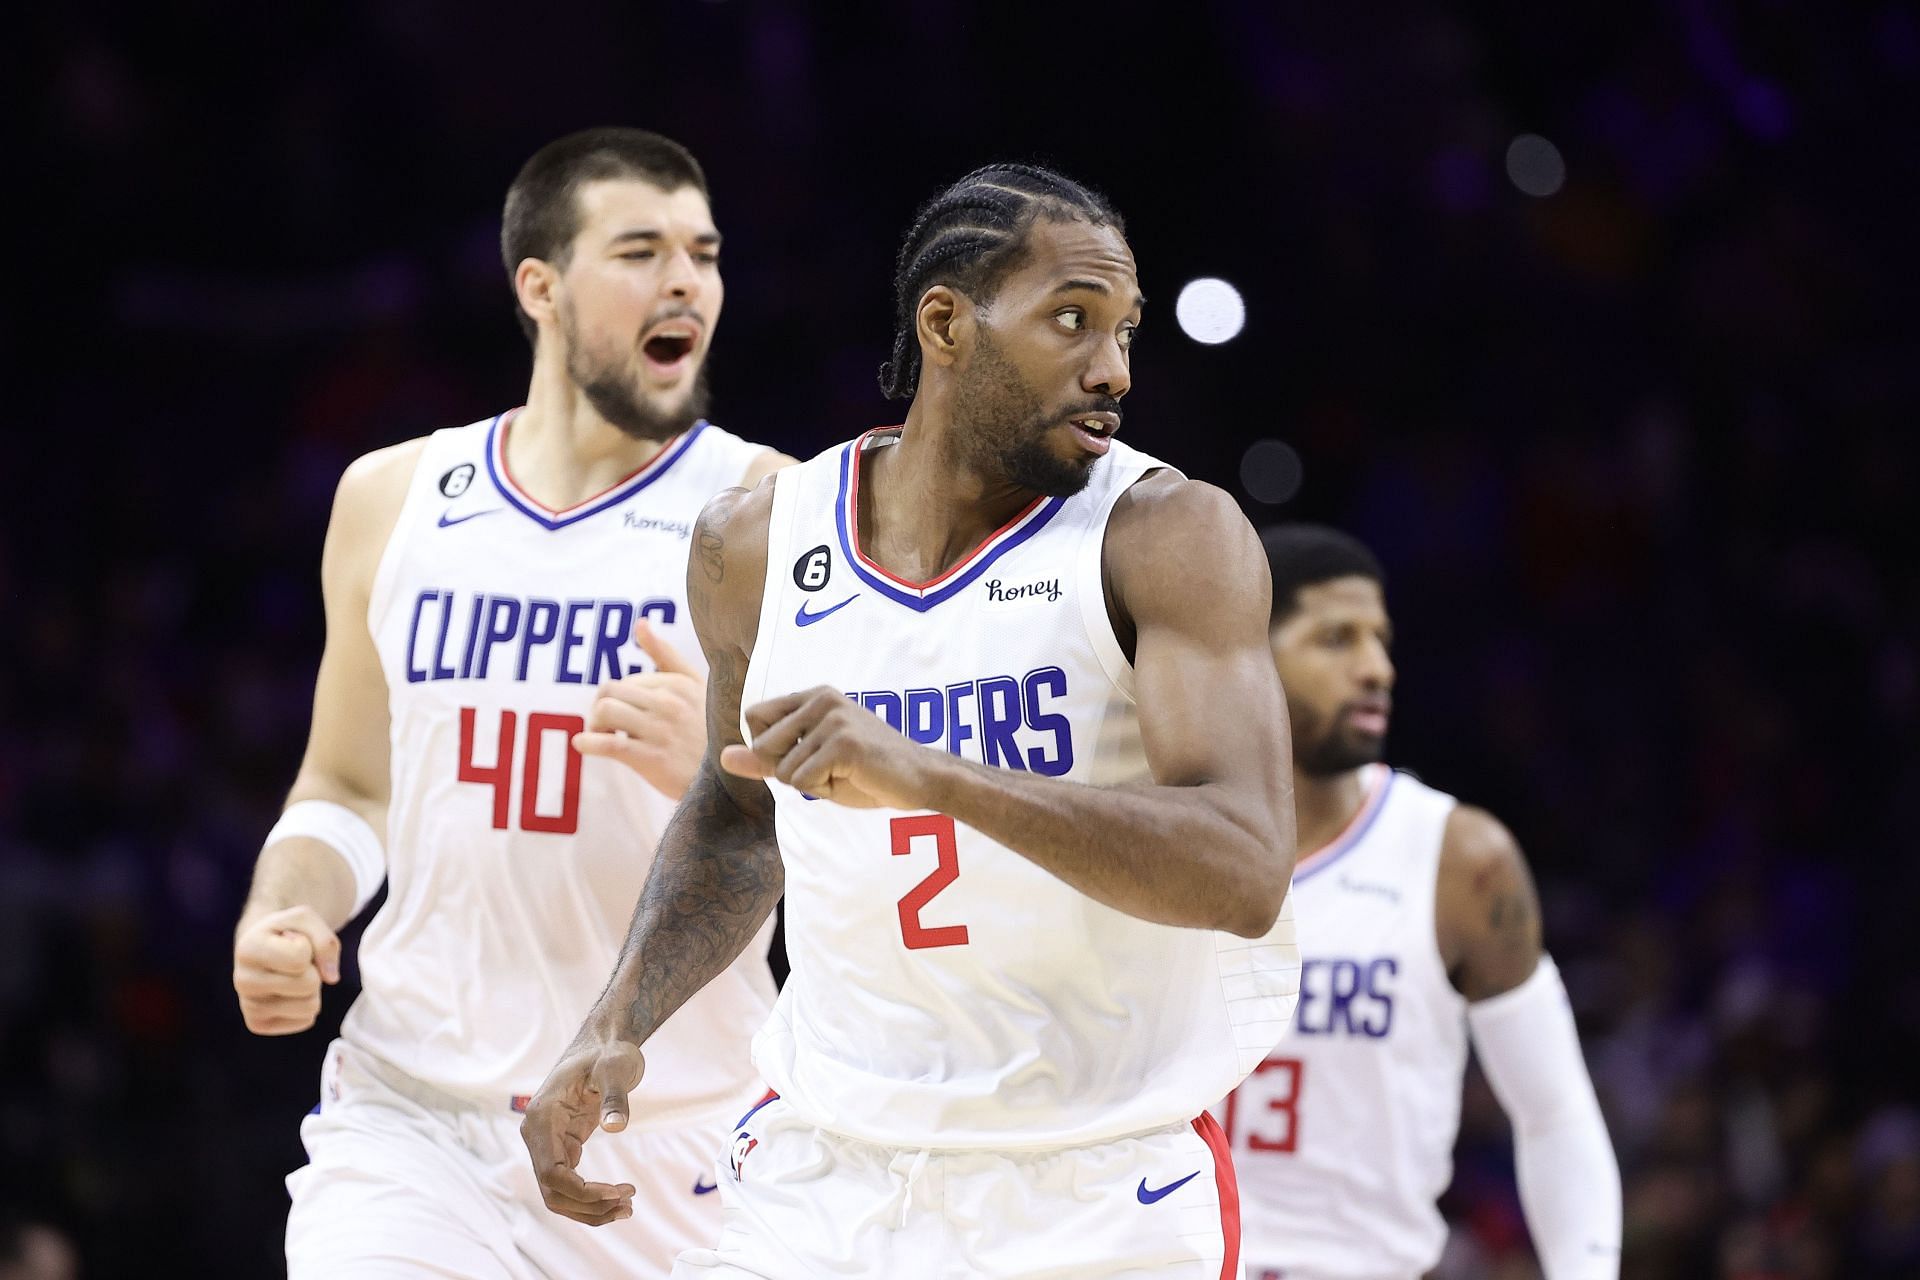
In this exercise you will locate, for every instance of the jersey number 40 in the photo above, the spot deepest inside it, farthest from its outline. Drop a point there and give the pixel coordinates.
(541, 726)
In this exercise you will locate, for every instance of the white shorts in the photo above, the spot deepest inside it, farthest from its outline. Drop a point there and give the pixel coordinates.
(403, 1183)
(802, 1202)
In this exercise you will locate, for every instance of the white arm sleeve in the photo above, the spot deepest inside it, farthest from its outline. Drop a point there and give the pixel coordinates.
(346, 833)
(1569, 1179)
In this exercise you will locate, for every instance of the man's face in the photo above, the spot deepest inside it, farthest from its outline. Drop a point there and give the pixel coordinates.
(1332, 653)
(1037, 393)
(638, 302)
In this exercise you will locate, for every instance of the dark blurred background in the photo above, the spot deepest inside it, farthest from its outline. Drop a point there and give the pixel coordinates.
(1626, 407)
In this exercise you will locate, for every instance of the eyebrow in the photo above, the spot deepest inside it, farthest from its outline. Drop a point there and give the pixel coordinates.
(1097, 286)
(649, 234)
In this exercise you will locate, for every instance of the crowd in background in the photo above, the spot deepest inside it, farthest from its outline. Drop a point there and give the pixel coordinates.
(1637, 456)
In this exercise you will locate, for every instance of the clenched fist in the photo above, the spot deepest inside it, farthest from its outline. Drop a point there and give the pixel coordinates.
(280, 961)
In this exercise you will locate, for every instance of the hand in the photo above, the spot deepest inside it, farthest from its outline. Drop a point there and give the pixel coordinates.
(655, 723)
(821, 743)
(279, 961)
(587, 1089)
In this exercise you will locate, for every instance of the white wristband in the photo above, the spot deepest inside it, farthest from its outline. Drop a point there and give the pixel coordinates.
(346, 833)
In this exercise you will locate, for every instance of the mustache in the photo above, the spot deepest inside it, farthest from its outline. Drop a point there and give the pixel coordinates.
(674, 311)
(1098, 404)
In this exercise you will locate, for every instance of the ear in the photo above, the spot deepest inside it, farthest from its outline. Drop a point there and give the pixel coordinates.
(534, 282)
(945, 322)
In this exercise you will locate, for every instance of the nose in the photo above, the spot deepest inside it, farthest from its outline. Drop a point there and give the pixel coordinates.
(1108, 374)
(683, 277)
(1376, 665)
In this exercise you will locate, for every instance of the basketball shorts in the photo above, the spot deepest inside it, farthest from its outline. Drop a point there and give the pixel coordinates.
(801, 1202)
(403, 1182)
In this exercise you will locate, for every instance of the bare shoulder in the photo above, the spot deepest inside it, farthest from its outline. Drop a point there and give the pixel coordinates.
(729, 563)
(1487, 910)
(764, 464)
(366, 506)
(1175, 544)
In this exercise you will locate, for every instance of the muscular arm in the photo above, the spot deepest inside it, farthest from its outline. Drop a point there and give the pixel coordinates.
(1487, 918)
(717, 874)
(1209, 842)
(304, 888)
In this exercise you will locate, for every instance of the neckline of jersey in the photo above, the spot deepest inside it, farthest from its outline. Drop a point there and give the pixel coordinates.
(922, 596)
(540, 513)
(1341, 845)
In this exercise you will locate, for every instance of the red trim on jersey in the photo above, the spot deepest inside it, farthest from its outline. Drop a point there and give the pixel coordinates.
(853, 526)
(1229, 1187)
(1367, 805)
(506, 472)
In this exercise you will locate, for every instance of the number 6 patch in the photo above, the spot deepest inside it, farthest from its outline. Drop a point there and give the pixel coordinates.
(811, 571)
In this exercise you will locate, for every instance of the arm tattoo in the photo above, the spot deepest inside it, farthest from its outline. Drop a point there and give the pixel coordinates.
(713, 554)
(714, 882)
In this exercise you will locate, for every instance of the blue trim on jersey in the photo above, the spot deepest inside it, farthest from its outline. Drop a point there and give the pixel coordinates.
(651, 472)
(893, 591)
(741, 1123)
(1351, 841)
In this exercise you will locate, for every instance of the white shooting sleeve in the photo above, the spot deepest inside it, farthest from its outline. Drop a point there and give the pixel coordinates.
(1569, 1178)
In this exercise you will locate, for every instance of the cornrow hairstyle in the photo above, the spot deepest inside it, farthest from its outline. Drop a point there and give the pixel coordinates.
(542, 214)
(968, 237)
(1305, 555)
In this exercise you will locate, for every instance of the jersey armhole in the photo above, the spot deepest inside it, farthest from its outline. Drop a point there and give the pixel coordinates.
(1093, 588)
(1430, 907)
(386, 572)
(786, 502)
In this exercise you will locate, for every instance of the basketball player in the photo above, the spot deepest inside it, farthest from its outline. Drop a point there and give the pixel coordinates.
(1419, 928)
(1013, 745)
(502, 721)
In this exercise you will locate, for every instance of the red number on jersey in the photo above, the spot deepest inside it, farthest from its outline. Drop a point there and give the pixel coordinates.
(499, 774)
(1282, 1097)
(947, 844)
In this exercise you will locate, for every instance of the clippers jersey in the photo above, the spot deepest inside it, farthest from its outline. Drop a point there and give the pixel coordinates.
(1344, 1139)
(513, 863)
(946, 992)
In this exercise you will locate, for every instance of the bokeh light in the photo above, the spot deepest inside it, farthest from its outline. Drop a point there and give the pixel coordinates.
(1210, 310)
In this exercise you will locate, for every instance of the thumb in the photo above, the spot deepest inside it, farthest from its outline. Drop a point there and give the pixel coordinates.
(608, 1081)
(326, 954)
(741, 762)
(664, 655)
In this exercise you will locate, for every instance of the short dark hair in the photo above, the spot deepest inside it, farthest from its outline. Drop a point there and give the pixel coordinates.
(542, 214)
(969, 236)
(1306, 555)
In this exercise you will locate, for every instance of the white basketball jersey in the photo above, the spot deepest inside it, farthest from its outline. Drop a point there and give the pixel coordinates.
(1344, 1138)
(514, 863)
(945, 991)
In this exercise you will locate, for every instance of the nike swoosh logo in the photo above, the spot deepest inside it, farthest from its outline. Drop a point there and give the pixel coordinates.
(1154, 1197)
(805, 619)
(702, 1187)
(448, 519)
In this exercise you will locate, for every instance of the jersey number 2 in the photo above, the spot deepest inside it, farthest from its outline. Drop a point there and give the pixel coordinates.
(499, 774)
(946, 843)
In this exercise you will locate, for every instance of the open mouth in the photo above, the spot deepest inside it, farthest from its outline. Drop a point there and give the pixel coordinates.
(668, 348)
(1095, 430)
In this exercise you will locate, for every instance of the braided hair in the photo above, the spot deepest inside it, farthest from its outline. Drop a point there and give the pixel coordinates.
(969, 236)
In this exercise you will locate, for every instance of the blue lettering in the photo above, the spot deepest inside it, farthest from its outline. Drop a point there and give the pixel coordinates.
(1061, 762)
(570, 639)
(1309, 988)
(473, 634)
(615, 626)
(441, 671)
(958, 730)
(885, 705)
(926, 716)
(661, 613)
(1382, 997)
(1344, 986)
(416, 673)
(503, 619)
(999, 718)
(538, 632)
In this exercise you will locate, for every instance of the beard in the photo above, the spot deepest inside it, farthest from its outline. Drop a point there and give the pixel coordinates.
(1004, 426)
(1322, 750)
(615, 394)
